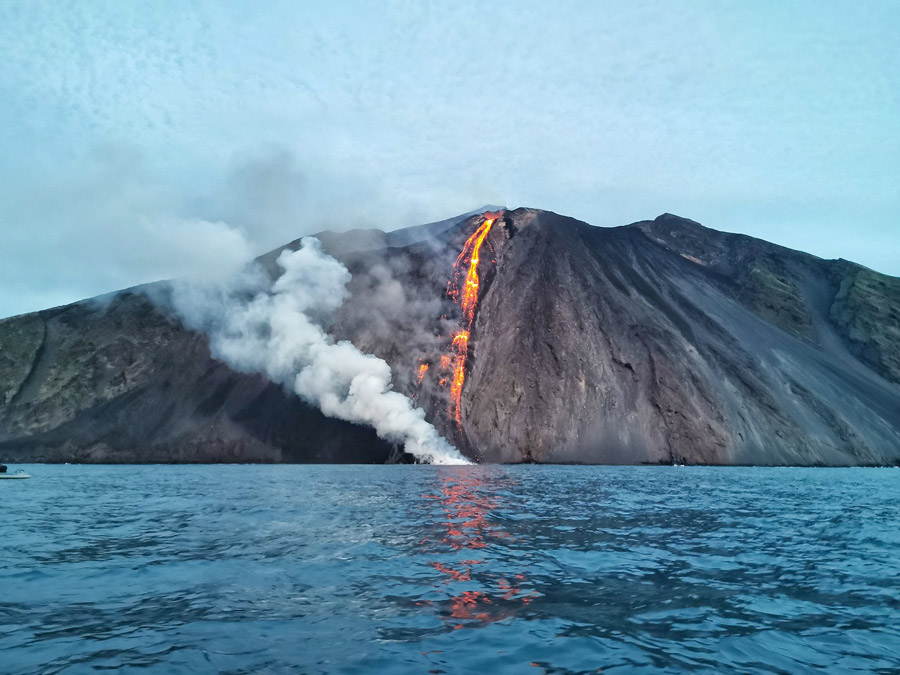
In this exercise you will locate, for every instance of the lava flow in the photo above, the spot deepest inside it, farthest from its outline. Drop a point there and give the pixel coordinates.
(423, 368)
(463, 290)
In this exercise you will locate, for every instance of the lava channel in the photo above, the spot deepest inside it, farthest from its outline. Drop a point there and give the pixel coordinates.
(463, 290)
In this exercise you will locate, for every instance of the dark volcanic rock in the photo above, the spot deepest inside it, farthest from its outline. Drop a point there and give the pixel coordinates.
(125, 382)
(663, 341)
(658, 342)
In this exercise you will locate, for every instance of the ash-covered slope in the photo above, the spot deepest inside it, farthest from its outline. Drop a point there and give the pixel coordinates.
(661, 341)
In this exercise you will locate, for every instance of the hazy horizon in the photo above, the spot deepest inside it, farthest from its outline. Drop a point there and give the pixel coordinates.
(144, 142)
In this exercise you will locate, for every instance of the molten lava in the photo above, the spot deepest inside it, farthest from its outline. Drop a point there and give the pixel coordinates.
(463, 290)
(469, 256)
(423, 368)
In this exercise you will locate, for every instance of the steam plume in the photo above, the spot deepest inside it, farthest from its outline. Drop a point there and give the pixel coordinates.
(255, 325)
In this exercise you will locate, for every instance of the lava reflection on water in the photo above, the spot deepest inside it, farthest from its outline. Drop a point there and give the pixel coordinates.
(474, 593)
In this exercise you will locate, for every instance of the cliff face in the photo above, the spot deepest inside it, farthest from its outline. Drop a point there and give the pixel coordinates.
(662, 341)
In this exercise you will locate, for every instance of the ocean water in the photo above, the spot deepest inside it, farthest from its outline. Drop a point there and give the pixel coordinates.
(415, 569)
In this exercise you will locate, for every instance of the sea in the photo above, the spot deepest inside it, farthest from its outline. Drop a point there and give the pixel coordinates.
(473, 569)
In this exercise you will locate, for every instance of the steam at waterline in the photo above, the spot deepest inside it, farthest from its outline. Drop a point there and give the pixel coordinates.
(256, 325)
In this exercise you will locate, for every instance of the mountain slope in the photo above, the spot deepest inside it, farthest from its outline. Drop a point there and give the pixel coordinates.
(661, 341)
(658, 342)
(123, 381)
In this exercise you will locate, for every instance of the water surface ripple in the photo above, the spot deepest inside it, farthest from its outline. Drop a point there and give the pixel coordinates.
(407, 569)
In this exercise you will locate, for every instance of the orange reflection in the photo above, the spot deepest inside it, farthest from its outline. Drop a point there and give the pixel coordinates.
(476, 595)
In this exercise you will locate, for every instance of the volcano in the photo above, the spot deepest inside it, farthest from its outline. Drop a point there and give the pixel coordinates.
(525, 336)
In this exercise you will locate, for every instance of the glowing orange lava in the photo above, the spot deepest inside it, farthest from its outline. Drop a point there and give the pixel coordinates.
(463, 289)
(423, 368)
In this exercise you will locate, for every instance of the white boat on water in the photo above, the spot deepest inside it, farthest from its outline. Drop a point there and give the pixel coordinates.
(18, 474)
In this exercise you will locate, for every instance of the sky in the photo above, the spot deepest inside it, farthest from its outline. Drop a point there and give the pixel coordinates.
(150, 140)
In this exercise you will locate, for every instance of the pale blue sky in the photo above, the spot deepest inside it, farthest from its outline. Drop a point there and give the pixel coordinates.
(142, 140)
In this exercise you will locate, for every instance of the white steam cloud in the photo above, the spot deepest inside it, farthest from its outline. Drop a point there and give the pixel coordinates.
(256, 325)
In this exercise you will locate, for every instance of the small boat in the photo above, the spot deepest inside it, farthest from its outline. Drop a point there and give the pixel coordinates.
(17, 474)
